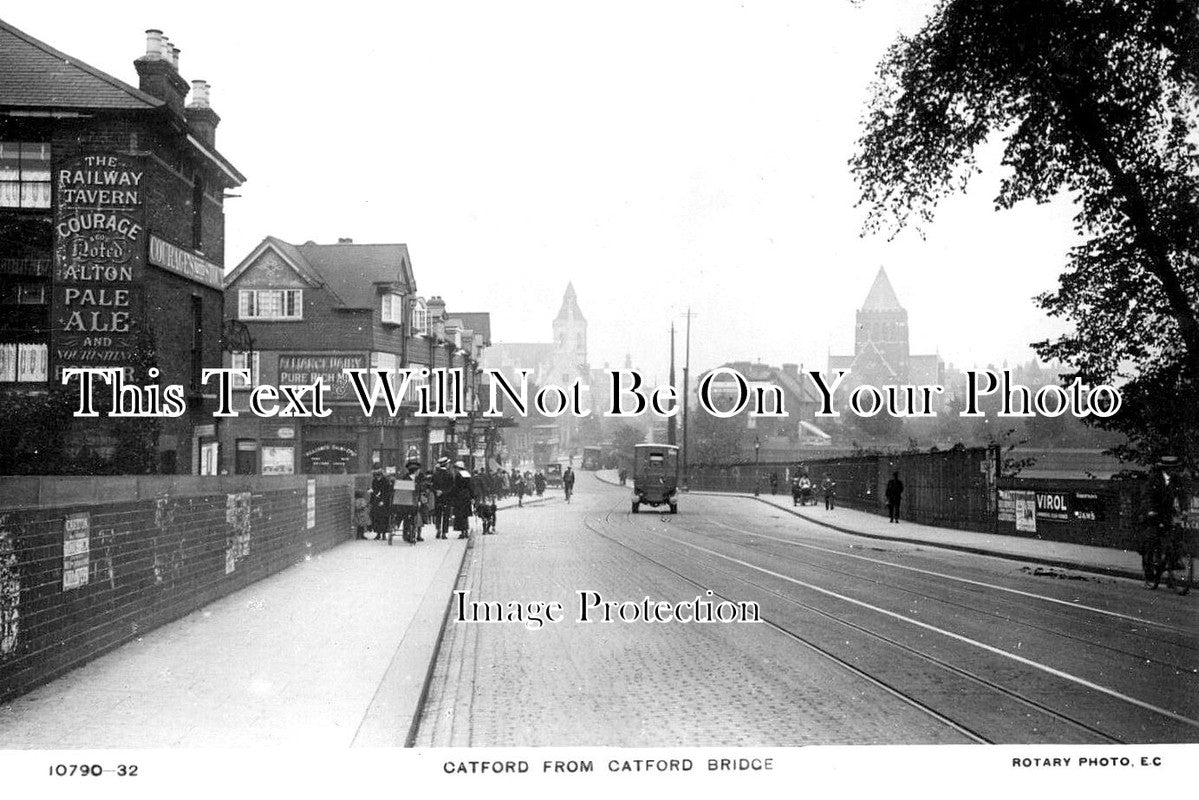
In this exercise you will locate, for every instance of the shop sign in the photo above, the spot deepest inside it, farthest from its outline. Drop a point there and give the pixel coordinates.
(184, 263)
(285, 433)
(305, 369)
(99, 259)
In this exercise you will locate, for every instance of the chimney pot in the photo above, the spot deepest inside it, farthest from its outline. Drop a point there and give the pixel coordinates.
(153, 42)
(175, 57)
(200, 98)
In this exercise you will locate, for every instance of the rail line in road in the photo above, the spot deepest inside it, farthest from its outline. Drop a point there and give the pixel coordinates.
(1168, 664)
(1089, 731)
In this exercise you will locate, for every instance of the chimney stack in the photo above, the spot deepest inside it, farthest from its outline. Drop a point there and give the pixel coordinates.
(158, 71)
(345, 240)
(201, 119)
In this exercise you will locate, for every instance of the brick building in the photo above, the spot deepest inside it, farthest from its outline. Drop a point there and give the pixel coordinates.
(111, 250)
(309, 311)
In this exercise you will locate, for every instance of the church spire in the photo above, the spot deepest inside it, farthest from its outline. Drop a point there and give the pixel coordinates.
(881, 296)
(570, 304)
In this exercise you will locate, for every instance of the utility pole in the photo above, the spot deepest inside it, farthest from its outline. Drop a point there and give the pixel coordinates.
(686, 398)
(670, 421)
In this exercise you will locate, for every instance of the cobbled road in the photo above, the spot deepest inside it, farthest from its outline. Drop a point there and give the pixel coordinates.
(860, 641)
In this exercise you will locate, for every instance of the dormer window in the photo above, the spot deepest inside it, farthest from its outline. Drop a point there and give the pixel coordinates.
(393, 308)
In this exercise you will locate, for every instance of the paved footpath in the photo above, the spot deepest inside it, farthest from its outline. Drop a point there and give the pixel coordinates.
(1104, 560)
(335, 651)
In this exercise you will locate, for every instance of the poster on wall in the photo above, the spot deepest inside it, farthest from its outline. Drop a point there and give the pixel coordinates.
(1026, 511)
(1054, 506)
(1007, 505)
(1087, 507)
(76, 546)
(311, 503)
(278, 460)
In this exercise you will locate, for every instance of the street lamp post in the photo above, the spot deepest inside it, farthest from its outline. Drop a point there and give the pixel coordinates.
(757, 461)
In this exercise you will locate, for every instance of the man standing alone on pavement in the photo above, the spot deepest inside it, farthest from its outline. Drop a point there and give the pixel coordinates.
(381, 489)
(894, 494)
(443, 489)
(829, 488)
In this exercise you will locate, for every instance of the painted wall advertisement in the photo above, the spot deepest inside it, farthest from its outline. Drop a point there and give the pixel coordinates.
(99, 260)
(76, 548)
(298, 370)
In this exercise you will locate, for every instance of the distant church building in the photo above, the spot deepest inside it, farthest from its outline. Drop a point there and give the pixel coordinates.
(881, 354)
(560, 362)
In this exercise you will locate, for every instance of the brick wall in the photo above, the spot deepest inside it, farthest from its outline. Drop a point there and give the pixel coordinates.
(153, 548)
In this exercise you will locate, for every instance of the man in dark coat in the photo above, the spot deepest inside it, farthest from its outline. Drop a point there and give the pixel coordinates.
(462, 495)
(443, 488)
(894, 495)
(381, 488)
(568, 482)
(1161, 495)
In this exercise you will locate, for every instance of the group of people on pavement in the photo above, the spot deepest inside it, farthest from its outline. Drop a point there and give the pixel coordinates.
(445, 497)
(408, 500)
(802, 491)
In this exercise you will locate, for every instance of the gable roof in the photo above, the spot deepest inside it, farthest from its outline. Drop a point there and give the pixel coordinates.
(352, 273)
(477, 321)
(35, 75)
(881, 296)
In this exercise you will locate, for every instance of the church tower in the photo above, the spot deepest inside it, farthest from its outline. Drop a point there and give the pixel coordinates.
(881, 337)
(570, 342)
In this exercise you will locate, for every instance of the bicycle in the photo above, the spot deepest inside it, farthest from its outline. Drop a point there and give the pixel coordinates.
(1176, 554)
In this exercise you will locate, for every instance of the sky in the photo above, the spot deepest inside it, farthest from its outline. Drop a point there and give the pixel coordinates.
(662, 156)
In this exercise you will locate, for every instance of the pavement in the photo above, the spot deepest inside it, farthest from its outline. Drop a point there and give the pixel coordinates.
(335, 651)
(1062, 555)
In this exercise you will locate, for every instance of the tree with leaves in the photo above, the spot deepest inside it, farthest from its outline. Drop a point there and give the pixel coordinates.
(1097, 99)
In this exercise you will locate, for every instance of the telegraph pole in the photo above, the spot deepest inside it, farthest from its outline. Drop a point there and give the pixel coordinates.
(686, 397)
(670, 421)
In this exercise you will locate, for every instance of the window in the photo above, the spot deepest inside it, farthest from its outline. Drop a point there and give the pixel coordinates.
(24, 175)
(270, 304)
(420, 319)
(198, 212)
(415, 386)
(393, 309)
(24, 294)
(23, 363)
(245, 360)
(388, 362)
(197, 365)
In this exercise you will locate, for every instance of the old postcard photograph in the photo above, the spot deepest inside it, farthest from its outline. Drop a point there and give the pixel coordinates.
(565, 395)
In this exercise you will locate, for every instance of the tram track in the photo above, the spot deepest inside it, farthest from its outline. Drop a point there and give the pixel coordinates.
(1142, 635)
(971, 732)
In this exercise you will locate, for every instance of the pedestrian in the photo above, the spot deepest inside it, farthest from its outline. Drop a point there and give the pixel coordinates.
(828, 488)
(539, 483)
(362, 514)
(774, 483)
(518, 489)
(894, 495)
(462, 495)
(380, 501)
(568, 482)
(443, 487)
(1160, 498)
